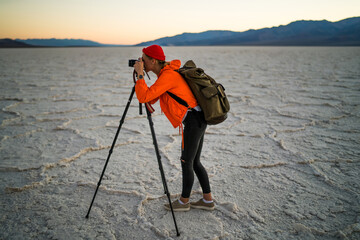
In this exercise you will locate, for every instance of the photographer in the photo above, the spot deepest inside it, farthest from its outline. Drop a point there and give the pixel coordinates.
(153, 59)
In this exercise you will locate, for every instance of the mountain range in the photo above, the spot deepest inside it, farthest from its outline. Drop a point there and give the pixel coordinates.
(299, 33)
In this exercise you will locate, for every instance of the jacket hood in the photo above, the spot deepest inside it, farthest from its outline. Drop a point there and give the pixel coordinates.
(174, 65)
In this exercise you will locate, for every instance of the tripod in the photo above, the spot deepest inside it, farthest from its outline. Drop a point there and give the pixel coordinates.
(149, 110)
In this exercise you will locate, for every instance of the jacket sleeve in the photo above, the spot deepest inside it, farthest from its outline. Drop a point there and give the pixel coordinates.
(151, 94)
(154, 101)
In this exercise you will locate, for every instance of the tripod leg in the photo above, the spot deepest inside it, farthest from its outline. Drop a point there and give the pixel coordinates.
(111, 149)
(160, 166)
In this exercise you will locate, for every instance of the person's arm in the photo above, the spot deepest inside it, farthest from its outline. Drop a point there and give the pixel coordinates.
(151, 94)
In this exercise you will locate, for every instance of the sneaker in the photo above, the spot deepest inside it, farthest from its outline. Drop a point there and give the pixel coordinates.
(202, 205)
(177, 206)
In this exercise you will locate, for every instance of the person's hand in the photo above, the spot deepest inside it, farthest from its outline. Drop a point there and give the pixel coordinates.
(139, 67)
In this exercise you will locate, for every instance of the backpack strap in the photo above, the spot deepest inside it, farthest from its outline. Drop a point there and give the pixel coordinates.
(179, 100)
(184, 103)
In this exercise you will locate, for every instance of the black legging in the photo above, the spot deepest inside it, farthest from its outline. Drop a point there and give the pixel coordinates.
(194, 131)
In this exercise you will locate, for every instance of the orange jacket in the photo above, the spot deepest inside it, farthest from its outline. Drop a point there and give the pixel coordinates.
(168, 80)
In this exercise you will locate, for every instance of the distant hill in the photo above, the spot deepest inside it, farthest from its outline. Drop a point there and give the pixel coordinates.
(300, 33)
(9, 43)
(53, 42)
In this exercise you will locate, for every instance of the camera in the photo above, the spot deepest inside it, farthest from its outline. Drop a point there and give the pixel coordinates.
(132, 62)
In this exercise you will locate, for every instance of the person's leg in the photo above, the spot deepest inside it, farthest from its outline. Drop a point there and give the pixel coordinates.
(193, 135)
(201, 173)
(206, 203)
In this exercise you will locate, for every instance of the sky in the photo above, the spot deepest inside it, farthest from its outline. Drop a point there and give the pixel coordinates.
(135, 21)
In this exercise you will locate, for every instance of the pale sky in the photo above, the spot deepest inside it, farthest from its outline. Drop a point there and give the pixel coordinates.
(135, 21)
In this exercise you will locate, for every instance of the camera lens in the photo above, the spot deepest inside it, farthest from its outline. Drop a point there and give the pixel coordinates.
(132, 62)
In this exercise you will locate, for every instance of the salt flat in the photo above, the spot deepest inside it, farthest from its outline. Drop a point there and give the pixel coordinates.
(284, 165)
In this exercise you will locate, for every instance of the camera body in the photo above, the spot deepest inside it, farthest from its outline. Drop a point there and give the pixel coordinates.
(132, 62)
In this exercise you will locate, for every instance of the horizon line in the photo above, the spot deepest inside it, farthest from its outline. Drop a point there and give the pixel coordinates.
(122, 44)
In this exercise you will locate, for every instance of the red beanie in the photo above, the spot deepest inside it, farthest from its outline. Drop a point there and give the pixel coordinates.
(154, 51)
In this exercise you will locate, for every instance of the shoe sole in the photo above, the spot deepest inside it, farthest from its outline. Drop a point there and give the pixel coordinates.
(204, 208)
(178, 209)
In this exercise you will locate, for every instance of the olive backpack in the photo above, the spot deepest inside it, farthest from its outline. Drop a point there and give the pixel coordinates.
(209, 94)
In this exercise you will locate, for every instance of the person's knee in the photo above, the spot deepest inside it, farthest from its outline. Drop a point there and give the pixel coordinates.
(186, 165)
(199, 169)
